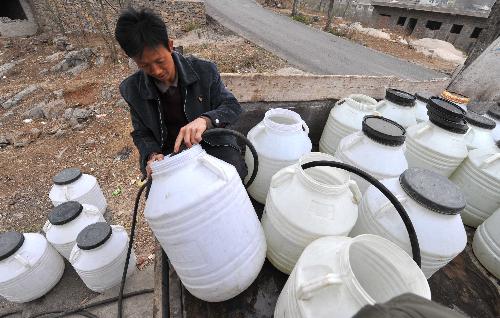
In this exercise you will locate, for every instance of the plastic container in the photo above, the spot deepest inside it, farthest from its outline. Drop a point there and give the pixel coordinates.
(99, 256)
(71, 185)
(378, 150)
(202, 216)
(421, 100)
(29, 266)
(344, 119)
(479, 179)
(494, 114)
(458, 99)
(479, 135)
(433, 204)
(439, 144)
(65, 223)
(336, 276)
(398, 106)
(280, 139)
(304, 205)
(486, 244)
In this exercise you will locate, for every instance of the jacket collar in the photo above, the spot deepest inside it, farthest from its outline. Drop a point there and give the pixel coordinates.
(185, 72)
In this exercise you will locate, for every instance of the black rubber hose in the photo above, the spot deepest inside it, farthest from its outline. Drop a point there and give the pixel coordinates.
(415, 248)
(217, 131)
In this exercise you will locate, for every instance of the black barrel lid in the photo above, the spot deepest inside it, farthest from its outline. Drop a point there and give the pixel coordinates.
(433, 191)
(10, 242)
(67, 176)
(424, 96)
(399, 97)
(93, 236)
(383, 130)
(447, 109)
(65, 212)
(455, 127)
(479, 121)
(494, 111)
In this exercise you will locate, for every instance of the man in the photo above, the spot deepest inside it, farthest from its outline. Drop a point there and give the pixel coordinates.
(173, 99)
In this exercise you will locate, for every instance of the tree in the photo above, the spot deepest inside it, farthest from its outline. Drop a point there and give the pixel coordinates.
(330, 16)
(295, 7)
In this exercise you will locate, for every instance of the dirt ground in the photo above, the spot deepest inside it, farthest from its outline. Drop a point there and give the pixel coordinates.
(101, 145)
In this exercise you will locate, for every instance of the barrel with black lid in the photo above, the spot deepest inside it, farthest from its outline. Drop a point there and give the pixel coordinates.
(383, 130)
(71, 184)
(399, 106)
(447, 115)
(479, 135)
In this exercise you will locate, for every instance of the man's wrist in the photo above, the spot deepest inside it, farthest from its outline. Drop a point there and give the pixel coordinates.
(208, 121)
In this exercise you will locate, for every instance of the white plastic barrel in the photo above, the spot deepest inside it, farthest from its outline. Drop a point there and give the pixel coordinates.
(202, 216)
(336, 276)
(433, 204)
(378, 150)
(421, 100)
(304, 205)
(71, 185)
(398, 106)
(479, 135)
(494, 114)
(280, 140)
(99, 256)
(65, 223)
(486, 244)
(439, 144)
(344, 119)
(479, 179)
(29, 266)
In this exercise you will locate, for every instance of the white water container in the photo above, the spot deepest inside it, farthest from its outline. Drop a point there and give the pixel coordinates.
(433, 204)
(99, 256)
(280, 140)
(421, 100)
(398, 106)
(479, 135)
(29, 266)
(65, 223)
(378, 150)
(202, 216)
(486, 244)
(479, 179)
(71, 185)
(494, 114)
(336, 276)
(344, 119)
(304, 205)
(439, 144)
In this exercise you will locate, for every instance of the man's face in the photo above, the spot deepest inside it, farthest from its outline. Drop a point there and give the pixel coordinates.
(158, 63)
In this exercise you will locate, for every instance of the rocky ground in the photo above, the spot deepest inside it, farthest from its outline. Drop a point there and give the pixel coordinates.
(60, 107)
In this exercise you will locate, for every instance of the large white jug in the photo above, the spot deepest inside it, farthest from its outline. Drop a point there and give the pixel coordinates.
(29, 266)
(304, 205)
(438, 144)
(421, 100)
(479, 179)
(71, 185)
(398, 106)
(65, 223)
(479, 135)
(336, 276)
(494, 113)
(344, 119)
(99, 256)
(280, 140)
(202, 216)
(433, 204)
(378, 150)
(486, 244)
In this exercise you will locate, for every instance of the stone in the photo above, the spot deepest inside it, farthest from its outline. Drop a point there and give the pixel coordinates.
(122, 104)
(59, 93)
(54, 57)
(4, 141)
(81, 114)
(59, 133)
(5, 68)
(35, 133)
(44, 72)
(61, 43)
(14, 101)
(100, 61)
(78, 69)
(54, 109)
(73, 122)
(107, 93)
(73, 59)
(35, 113)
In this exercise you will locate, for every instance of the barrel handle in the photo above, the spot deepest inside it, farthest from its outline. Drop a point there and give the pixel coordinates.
(90, 209)
(354, 141)
(387, 204)
(307, 290)
(490, 159)
(47, 226)
(422, 130)
(306, 128)
(65, 189)
(23, 261)
(208, 162)
(356, 193)
(73, 256)
(282, 175)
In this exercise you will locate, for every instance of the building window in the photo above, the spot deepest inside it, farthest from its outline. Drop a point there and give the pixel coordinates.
(401, 21)
(13, 10)
(385, 15)
(433, 25)
(475, 33)
(456, 28)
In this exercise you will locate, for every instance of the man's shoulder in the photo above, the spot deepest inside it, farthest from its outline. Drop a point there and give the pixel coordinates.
(130, 85)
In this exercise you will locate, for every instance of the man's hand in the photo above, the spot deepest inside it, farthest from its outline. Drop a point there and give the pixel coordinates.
(191, 133)
(152, 158)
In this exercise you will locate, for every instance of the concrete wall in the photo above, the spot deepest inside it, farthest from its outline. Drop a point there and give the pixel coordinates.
(88, 15)
(462, 41)
(11, 28)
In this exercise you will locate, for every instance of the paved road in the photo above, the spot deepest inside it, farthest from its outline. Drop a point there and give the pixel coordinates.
(309, 49)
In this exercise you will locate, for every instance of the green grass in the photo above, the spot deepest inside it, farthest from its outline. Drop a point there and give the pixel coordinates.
(302, 18)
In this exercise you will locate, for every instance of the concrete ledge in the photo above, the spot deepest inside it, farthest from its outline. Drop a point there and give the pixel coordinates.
(271, 87)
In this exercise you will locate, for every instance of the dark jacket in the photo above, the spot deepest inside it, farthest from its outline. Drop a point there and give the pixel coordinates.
(203, 93)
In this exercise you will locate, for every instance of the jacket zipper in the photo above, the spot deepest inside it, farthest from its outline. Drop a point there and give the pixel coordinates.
(161, 122)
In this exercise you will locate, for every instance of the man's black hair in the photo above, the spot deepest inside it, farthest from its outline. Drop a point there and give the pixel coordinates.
(136, 30)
